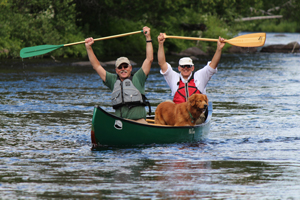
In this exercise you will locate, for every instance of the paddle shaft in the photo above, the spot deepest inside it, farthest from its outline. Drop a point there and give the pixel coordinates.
(150, 120)
(105, 38)
(191, 38)
(43, 49)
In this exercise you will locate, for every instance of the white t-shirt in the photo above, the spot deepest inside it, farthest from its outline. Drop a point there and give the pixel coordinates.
(201, 78)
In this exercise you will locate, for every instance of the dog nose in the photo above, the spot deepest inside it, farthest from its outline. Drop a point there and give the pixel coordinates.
(205, 106)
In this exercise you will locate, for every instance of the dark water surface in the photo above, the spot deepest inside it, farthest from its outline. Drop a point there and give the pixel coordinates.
(252, 150)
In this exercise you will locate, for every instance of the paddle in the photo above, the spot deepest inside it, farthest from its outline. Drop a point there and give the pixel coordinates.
(248, 40)
(42, 49)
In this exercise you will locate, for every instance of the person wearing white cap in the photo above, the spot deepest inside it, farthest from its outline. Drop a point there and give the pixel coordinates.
(128, 91)
(187, 82)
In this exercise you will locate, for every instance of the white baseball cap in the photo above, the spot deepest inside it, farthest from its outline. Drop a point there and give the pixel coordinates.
(186, 61)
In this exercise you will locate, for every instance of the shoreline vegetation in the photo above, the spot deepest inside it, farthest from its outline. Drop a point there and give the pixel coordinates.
(26, 23)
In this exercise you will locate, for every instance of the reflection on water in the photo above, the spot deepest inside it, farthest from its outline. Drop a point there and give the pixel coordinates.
(252, 150)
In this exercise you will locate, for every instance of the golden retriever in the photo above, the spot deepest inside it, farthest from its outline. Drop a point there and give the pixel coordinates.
(183, 114)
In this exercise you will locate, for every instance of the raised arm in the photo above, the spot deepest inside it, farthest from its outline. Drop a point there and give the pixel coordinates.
(215, 60)
(161, 53)
(93, 59)
(149, 51)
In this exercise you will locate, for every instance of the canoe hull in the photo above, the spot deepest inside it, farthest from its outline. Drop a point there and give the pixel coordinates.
(110, 130)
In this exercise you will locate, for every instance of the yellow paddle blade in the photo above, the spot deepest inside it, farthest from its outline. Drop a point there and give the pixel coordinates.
(248, 40)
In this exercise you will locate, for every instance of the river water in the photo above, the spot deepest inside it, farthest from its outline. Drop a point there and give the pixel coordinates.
(251, 152)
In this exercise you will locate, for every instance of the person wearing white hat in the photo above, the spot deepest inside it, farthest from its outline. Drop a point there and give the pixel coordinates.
(128, 91)
(187, 82)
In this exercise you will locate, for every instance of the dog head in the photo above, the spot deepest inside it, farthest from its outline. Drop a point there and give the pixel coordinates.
(199, 101)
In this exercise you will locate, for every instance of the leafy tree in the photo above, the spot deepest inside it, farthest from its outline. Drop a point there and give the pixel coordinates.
(26, 23)
(36, 22)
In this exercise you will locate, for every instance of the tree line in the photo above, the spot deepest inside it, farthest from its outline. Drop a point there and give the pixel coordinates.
(25, 23)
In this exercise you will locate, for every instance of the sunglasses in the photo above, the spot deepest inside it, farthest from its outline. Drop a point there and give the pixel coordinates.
(123, 66)
(187, 66)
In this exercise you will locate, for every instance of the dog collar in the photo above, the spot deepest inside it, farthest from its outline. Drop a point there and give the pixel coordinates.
(193, 119)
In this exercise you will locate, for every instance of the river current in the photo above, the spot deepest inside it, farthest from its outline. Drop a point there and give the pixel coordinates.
(251, 152)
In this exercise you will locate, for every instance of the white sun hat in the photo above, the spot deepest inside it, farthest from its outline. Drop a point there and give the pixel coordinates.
(186, 61)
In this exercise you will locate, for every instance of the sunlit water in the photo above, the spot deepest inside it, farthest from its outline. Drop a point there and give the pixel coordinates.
(251, 152)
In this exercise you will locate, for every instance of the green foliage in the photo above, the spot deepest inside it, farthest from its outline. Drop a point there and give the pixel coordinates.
(36, 22)
(134, 44)
(217, 28)
(272, 25)
(282, 27)
(289, 23)
(25, 23)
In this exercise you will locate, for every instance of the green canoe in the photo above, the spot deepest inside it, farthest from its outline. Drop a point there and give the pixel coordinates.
(110, 130)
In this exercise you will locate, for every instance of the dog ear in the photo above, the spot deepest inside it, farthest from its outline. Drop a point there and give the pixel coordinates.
(192, 100)
(205, 98)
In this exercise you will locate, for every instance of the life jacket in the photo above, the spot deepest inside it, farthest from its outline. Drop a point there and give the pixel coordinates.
(126, 94)
(185, 90)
